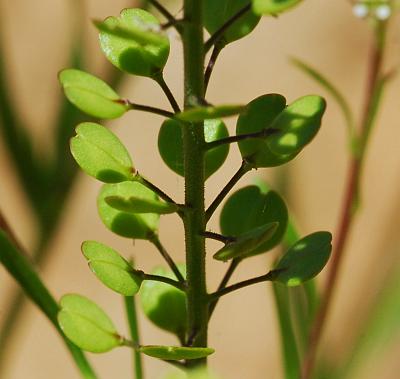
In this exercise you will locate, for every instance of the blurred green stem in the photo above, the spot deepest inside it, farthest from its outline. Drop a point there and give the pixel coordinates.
(17, 264)
(130, 308)
(375, 82)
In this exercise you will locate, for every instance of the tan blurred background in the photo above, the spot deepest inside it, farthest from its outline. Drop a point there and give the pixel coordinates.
(244, 329)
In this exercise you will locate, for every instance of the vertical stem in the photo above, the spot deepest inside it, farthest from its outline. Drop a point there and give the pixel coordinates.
(130, 308)
(194, 150)
(373, 92)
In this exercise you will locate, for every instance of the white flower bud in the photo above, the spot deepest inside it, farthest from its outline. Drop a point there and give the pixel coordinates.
(383, 12)
(360, 10)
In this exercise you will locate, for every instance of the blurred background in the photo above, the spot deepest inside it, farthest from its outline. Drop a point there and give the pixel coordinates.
(36, 41)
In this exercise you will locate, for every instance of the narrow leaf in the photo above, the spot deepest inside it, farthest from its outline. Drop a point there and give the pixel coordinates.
(176, 353)
(101, 154)
(87, 325)
(22, 271)
(91, 95)
(199, 114)
(332, 90)
(112, 270)
(246, 243)
(139, 204)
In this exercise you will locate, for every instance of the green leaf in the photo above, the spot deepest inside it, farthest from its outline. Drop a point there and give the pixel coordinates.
(101, 154)
(112, 270)
(251, 207)
(304, 260)
(164, 304)
(91, 95)
(333, 91)
(297, 125)
(170, 145)
(140, 203)
(217, 13)
(273, 7)
(199, 114)
(140, 226)
(87, 325)
(176, 353)
(259, 115)
(131, 43)
(246, 243)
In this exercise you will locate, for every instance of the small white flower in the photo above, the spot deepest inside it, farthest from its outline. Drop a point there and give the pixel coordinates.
(360, 10)
(383, 12)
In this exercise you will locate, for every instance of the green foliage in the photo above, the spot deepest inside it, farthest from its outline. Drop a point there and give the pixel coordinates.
(112, 270)
(176, 353)
(293, 128)
(87, 325)
(164, 304)
(170, 145)
(125, 224)
(209, 112)
(305, 259)
(131, 43)
(245, 244)
(273, 7)
(217, 13)
(250, 208)
(201, 373)
(101, 154)
(296, 125)
(91, 95)
(259, 115)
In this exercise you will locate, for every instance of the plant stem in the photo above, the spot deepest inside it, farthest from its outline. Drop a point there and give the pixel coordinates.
(232, 139)
(194, 152)
(232, 267)
(130, 308)
(211, 63)
(164, 253)
(237, 286)
(164, 11)
(147, 108)
(163, 279)
(373, 92)
(155, 189)
(243, 169)
(161, 82)
(219, 33)
(218, 237)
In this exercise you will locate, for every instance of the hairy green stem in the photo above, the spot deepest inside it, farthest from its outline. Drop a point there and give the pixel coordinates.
(194, 152)
(130, 309)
